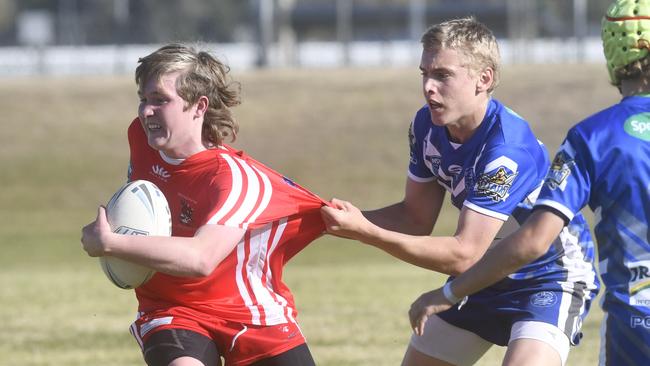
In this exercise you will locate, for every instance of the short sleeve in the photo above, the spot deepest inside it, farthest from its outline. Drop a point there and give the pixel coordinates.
(568, 182)
(505, 177)
(422, 155)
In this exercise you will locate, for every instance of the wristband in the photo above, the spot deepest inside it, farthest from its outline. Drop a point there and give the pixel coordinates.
(446, 292)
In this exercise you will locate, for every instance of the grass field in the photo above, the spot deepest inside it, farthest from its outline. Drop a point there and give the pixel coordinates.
(339, 132)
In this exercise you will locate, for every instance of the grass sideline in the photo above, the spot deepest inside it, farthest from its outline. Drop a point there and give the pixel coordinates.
(339, 132)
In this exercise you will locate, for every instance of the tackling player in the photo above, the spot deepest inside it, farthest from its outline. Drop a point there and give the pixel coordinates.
(468, 144)
(604, 163)
(218, 291)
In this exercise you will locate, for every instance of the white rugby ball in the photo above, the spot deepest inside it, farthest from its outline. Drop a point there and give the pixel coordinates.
(137, 208)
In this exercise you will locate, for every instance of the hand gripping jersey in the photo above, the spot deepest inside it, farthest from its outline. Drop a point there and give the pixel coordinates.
(604, 162)
(499, 172)
(225, 187)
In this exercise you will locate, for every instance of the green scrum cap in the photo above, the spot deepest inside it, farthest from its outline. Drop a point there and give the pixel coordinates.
(625, 34)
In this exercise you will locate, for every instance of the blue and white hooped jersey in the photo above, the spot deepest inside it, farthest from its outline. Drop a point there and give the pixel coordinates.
(499, 172)
(604, 162)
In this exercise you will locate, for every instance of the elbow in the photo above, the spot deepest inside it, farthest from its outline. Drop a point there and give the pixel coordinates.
(461, 262)
(203, 267)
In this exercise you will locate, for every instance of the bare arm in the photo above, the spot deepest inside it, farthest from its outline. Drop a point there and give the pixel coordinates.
(528, 243)
(416, 214)
(446, 254)
(180, 256)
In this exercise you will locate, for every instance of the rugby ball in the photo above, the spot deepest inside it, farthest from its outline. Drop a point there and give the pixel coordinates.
(137, 208)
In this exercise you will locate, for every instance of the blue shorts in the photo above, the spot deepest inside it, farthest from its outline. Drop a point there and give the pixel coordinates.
(625, 336)
(490, 313)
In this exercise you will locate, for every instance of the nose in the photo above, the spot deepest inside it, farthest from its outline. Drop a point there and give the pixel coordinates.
(146, 109)
(429, 86)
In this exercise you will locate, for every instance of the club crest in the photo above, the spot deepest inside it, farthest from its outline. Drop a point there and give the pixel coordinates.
(559, 171)
(495, 184)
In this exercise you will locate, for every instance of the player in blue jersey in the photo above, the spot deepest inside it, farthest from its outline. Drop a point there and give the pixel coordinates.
(468, 144)
(604, 163)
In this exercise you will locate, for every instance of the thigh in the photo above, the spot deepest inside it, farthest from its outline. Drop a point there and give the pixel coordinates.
(167, 345)
(297, 356)
(445, 342)
(537, 343)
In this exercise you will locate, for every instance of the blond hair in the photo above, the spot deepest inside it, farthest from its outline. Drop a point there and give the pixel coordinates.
(471, 38)
(201, 75)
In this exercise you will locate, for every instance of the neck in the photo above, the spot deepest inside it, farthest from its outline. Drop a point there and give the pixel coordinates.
(464, 129)
(635, 86)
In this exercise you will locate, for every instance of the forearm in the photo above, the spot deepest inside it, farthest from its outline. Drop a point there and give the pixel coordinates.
(172, 255)
(396, 217)
(522, 247)
(441, 254)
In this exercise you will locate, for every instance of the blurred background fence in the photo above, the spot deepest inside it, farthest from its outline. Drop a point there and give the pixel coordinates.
(63, 37)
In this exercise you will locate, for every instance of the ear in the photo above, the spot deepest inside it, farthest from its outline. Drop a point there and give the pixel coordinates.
(485, 80)
(201, 106)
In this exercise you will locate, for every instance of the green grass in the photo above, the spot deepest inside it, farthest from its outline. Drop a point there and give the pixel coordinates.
(339, 132)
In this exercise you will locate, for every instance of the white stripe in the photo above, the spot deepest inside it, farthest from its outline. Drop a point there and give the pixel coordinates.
(273, 309)
(268, 190)
(485, 211)
(234, 339)
(235, 191)
(252, 194)
(502, 161)
(558, 206)
(134, 332)
(565, 304)
(241, 285)
(602, 357)
(269, 275)
(415, 178)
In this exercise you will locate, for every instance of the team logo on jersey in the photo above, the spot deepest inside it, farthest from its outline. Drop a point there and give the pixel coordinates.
(186, 212)
(543, 299)
(160, 172)
(639, 285)
(495, 184)
(559, 171)
(638, 126)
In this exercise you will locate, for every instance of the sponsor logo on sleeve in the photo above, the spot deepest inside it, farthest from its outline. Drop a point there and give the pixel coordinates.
(638, 126)
(559, 171)
(495, 184)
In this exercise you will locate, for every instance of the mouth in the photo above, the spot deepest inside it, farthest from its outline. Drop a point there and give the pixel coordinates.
(153, 127)
(434, 105)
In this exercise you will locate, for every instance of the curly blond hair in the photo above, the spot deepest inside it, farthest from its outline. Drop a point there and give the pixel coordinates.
(201, 75)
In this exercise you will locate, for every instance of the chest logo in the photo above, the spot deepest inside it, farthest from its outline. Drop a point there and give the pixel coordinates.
(187, 212)
(160, 172)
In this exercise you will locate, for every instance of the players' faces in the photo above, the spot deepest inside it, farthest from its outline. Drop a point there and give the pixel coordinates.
(172, 126)
(455, 93)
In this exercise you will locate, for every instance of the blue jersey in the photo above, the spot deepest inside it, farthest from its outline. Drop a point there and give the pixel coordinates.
(604, 162)
(499, 172)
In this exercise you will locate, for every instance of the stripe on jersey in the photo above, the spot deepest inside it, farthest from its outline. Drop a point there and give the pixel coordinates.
(234, 194)
(249, 196)
(253, 275)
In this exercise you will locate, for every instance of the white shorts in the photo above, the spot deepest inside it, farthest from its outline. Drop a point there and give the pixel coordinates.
(455, 345)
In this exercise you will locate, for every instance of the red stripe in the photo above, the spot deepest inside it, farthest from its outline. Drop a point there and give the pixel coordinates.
(621, 19)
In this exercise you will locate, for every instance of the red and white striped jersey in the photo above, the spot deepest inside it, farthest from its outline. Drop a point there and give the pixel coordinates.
(226, 187)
